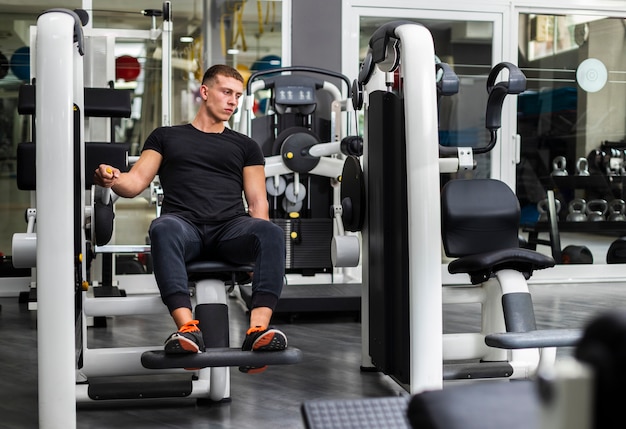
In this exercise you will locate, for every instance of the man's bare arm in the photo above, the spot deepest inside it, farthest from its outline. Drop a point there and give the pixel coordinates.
(134, 182)
(255, 192)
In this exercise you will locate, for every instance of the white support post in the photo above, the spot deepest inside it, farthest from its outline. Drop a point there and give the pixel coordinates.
(417, 55)
(57, 65)
(166, 64)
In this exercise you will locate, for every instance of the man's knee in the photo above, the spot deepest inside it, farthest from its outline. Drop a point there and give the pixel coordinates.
(274, 233)
(166, 226)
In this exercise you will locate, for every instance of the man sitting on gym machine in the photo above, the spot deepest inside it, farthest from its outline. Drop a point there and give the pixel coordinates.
(203, 168)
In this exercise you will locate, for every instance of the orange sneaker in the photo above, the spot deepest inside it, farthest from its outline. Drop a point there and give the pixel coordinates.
(260, 338)
(188, 339)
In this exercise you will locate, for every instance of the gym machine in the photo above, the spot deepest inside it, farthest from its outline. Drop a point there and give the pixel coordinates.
(404, 227)
(62, 232)
(303, 135)
(403, 332)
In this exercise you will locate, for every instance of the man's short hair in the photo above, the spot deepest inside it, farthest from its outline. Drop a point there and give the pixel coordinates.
(222, 70)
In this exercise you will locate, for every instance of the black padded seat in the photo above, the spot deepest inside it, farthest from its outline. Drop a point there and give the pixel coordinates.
(478, 216)
(206, 269)
(483, 266)
(199, 267)
(480, 227)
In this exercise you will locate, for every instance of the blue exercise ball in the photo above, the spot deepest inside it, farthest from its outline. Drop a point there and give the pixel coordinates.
(20, 63)
(268, 62)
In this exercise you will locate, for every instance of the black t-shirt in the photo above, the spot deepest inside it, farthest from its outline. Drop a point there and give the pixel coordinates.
(202, 173)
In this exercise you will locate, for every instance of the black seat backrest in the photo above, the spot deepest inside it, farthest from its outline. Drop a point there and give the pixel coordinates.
(477, 216)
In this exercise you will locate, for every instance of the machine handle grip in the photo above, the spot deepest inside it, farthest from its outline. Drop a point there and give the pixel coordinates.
(297, 69)
(515, 84)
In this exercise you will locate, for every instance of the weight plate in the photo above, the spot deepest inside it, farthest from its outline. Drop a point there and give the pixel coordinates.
(275, 185)
(290, 207)
(290, 193)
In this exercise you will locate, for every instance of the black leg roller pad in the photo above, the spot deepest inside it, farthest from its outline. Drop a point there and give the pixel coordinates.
(220, 357)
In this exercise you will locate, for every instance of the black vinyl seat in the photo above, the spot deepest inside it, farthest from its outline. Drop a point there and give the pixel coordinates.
(480, 227)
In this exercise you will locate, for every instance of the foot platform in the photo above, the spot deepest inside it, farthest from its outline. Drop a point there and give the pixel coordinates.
(220, 357)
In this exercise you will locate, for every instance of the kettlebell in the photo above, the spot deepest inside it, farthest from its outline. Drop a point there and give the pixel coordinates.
(616, 210)
(558, 166)
(582, 167)
(542, 208)
(596, 210)
(576, 209)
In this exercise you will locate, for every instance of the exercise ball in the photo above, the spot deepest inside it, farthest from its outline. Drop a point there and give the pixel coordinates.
(127, 68)
(20, 63)
(268, 62)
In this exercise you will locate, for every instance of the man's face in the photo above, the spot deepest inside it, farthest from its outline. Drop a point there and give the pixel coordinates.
(222, 97)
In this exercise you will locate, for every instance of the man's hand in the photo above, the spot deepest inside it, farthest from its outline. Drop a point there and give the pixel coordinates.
(106, 175)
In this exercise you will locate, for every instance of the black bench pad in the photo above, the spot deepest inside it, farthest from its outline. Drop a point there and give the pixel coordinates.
(203, 267)
(219, 357)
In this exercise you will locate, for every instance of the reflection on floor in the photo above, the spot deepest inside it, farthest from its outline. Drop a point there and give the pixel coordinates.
(331, 367)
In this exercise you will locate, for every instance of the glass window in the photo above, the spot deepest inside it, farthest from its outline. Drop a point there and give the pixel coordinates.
(572, 119)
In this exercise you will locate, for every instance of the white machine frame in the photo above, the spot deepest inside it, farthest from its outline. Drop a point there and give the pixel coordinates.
(430, 348)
